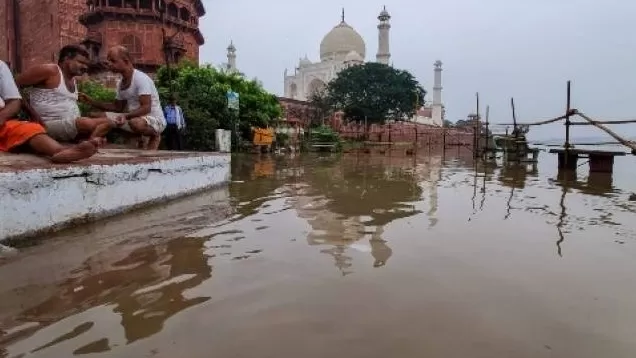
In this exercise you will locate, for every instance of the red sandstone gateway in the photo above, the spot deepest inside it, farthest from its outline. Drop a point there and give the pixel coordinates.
(101, 24)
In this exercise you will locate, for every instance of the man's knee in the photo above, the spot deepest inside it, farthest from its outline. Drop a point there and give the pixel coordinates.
(84, 125)
(140, 126)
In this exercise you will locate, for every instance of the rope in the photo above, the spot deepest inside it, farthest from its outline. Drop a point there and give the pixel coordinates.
(604, 122)
(534, 123)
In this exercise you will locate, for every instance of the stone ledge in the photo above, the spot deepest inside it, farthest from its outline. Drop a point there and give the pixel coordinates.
(39, 197)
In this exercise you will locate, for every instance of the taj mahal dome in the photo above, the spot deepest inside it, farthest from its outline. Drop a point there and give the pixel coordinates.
(343, 47)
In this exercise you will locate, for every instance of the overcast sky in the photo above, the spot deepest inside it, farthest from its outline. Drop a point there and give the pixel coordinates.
(499, 48)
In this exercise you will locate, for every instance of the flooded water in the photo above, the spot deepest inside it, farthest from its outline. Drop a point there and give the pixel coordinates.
(344, 255)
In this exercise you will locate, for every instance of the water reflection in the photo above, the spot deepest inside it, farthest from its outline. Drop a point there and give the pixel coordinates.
(145, 288)
(362, 214)
(597, 184)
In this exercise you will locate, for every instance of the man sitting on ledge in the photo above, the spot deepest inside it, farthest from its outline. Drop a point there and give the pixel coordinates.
(16, 135)
(53, 97)
(137, 108)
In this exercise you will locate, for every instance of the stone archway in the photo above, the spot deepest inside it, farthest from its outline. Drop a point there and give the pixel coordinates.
(293, 91)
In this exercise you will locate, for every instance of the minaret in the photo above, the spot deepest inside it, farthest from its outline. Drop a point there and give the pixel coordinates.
(231, 57)
(437, 94)
(383, 55)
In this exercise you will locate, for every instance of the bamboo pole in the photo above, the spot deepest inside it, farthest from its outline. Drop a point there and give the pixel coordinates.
(476, 129)
(487, 146)
(620, 139)
(567, 119)
(514, 115)
(514, 128)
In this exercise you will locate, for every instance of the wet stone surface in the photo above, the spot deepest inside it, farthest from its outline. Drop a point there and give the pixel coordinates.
(10, 162)
(343, 255)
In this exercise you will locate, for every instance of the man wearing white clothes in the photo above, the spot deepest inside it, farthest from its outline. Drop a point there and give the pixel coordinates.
(137, 108)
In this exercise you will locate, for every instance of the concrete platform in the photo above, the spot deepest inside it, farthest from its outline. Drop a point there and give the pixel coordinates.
(39, 197)
(601, 161)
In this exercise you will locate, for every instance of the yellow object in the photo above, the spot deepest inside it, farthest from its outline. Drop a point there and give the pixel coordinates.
(263, 136)
(263, 168)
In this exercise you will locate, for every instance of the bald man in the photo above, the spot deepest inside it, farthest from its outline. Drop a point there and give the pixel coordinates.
(137, 108)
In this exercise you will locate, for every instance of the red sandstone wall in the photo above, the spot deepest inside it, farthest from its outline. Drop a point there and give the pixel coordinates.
(407, 132)
(47, 25)
(5, 28)
(40, 31)
(192, 47)
(71, 31)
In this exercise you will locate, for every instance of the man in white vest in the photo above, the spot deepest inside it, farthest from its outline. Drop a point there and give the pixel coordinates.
(137, 109)
(53, 96)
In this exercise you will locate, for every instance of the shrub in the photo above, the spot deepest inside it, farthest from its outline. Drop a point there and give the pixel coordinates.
(201, 93)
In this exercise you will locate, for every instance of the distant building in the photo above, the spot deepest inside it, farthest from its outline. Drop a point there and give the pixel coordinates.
(433, 115)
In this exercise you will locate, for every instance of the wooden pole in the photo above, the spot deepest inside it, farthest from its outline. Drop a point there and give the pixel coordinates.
(567, 119)
(486, 148)
(566, 145)
(514, 127)
(444, 140)
(514, 115)
(476, 127)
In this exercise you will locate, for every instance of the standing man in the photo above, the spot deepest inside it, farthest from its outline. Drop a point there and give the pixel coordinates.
(176, 123)
(137, 108)
(54, 94)
(16, 135)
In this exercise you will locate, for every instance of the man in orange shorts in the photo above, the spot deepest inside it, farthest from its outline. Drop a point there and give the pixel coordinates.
(16, 135)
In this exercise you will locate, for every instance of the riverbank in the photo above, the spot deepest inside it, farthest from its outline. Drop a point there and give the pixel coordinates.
(40, 197)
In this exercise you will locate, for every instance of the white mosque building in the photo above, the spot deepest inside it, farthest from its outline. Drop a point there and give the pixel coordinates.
(343, 47)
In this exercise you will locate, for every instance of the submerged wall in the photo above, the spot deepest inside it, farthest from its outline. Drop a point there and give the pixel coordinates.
(48, 198)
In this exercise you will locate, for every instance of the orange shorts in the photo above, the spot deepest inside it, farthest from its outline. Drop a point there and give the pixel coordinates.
(14, 133)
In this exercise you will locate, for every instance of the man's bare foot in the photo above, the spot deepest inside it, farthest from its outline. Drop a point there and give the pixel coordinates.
(77, 152)
(153, 143)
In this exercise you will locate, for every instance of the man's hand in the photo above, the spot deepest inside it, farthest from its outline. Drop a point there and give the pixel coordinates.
(84, 98)
(120, 121)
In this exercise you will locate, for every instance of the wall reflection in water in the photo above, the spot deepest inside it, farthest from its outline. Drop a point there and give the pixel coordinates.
(345, 206)
(348, 200)
(145, 288)
(134, 280)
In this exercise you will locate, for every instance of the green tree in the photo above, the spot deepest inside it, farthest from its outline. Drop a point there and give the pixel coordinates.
(96, 91)
(375, 91)
(321, 108)
(201, 93)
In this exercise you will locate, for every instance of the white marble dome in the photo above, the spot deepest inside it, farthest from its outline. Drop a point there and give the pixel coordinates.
(353, 56)
(340, 41)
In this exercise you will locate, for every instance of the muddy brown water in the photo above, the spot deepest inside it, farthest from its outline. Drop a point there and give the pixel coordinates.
(352, 256)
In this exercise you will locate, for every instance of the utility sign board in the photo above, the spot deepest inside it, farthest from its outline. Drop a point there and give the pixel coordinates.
(232, 100)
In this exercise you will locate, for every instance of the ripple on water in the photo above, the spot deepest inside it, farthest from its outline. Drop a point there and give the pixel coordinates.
(350, 255)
